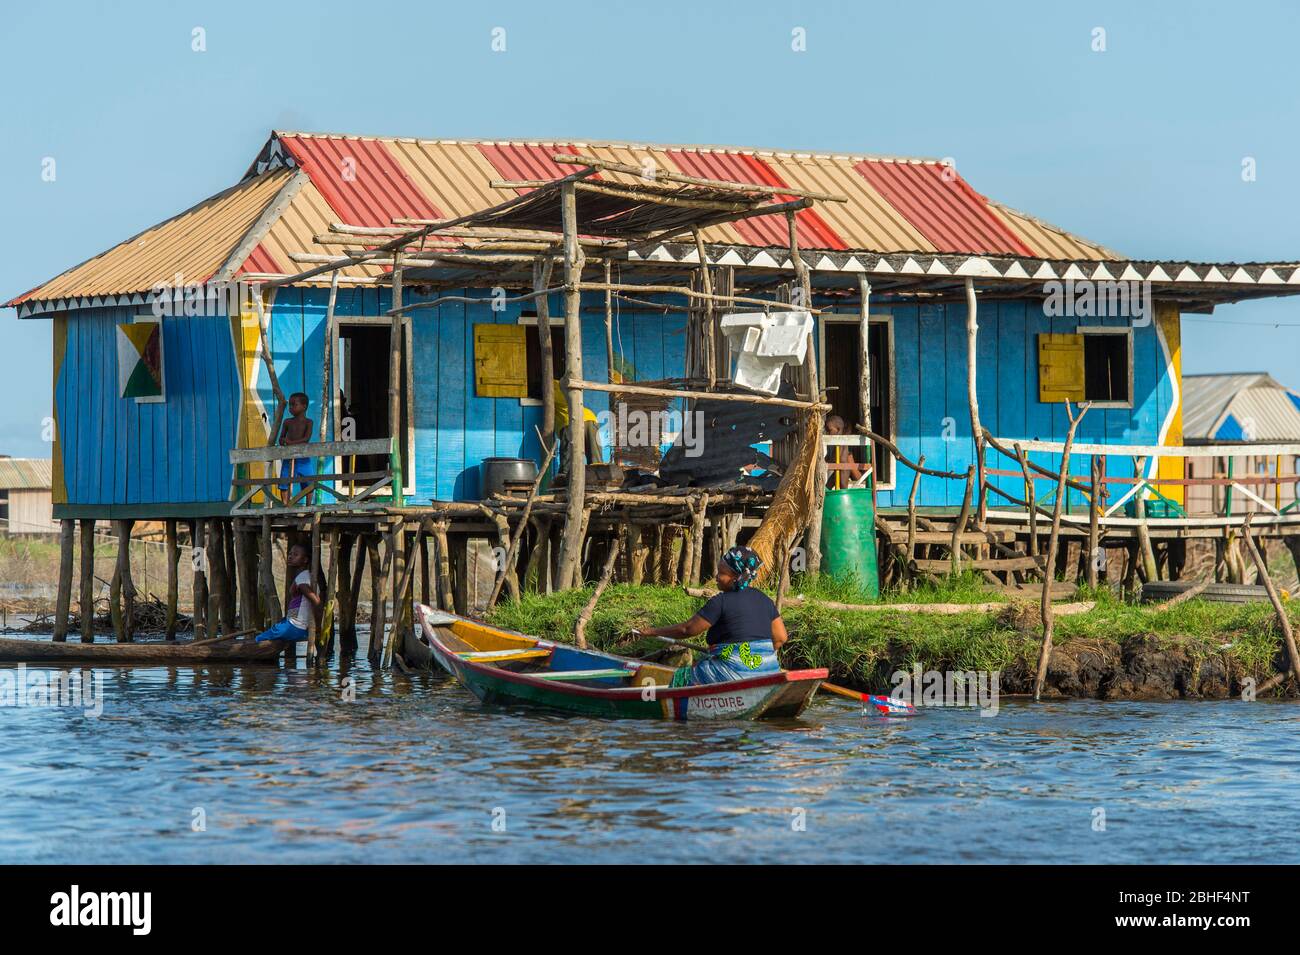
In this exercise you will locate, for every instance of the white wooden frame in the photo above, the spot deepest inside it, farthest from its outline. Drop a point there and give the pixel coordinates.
(408, 480)
(1110, 330)
(875, 318)
(162, 356)
(553, 321)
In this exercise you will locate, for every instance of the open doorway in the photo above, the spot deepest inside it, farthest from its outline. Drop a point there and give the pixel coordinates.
(363, 367)
(841, 360)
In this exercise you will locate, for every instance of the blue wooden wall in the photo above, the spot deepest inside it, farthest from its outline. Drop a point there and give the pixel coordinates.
(933, 417)
(455, 429)
(118, 452)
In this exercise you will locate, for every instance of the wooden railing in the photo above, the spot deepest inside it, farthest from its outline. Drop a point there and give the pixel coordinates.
(338, 488)
(1144, 484)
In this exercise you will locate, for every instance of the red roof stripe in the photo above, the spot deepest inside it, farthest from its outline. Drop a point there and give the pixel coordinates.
(528, 160)
(260, 260)
(810, 228)
(942, 207)
(361, 180)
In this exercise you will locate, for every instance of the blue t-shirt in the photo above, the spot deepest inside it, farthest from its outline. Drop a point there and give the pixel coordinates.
(735, 616)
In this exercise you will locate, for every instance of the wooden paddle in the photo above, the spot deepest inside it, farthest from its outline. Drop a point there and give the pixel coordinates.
(883, 703)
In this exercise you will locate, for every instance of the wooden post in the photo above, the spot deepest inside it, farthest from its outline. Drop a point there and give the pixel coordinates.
(1149, 569)
(580, 630)
(331, 595)
(314, 638)
(571, 541)
(173, 582)
(376, 594)
(972, 396)
(199, 580)
(813, 537)
(697, 539)
(1283, 620)
(542, 281)
(395, 372)
(86, 601)
(1094, 518)
(266, 571)
(216, 576)
(349, 584)
(706, 314)
(228, 606)
(864, 371)
(63, 602)
(263, 320)
(507, 569)
(911, 514)
(460, 574)
(1029, 500)
(124, 602)
(612, 375)
(446, 599)
(963, 516)
(1045, 654)
(426, 589)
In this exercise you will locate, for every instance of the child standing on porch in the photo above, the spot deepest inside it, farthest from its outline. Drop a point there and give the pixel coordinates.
(296, 430)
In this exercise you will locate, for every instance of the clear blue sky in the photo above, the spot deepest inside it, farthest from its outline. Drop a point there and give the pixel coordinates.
(1139, 147)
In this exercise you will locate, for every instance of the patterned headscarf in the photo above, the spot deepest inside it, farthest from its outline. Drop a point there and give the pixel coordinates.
(745, 562)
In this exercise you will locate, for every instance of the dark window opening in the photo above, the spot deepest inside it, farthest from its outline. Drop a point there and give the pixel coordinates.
(533, 355)
(1105, 367)
(843, 365)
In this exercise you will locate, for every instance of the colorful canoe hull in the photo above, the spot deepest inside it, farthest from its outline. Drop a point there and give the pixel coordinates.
(769, 696)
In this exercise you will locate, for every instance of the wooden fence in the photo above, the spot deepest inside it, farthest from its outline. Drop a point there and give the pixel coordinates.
(337, 485)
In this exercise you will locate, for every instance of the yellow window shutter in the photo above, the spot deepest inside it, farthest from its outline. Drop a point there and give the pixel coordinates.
(500, 361)
(1060, 368)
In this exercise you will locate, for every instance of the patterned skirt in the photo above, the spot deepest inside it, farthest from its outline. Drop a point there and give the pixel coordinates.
(730, 661)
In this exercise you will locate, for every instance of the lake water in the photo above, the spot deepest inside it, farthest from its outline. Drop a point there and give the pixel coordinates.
(278, 766)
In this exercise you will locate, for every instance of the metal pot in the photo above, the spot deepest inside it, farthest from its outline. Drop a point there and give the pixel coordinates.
(501, 475)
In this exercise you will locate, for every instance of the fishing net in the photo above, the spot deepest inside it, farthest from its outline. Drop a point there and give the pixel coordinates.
(792, 503)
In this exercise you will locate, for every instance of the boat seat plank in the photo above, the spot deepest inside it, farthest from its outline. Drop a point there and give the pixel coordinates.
(567, 675)
(498, 656)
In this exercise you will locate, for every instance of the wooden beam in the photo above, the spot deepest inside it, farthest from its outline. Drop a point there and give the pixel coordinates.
(571, 540)
(666, 175)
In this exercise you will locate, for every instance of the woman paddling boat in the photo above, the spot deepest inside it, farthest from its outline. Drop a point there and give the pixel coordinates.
(745, 628)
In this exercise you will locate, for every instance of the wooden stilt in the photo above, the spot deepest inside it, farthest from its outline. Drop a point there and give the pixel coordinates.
(446, 600)
(611, 559)
(63, 602)
(813, 537)
(199, 585)
(314, 639)
(173, 558)
(349, 584)
(266, 572)
(122, 589)
(376, 598)
(1094, 517)
(460, 573)
(230, 603)
(216, 555)
(1045, 655)
(332, 594)
(426, 591)
(571, 540)
(86, 602)
(1283, 620)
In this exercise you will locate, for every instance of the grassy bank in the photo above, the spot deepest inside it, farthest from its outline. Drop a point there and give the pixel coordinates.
(1117, 649)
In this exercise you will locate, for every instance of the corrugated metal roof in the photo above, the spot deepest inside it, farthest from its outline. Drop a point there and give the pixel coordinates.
(29, 473)
(1239, 407)
(893, 206)
(194, 244)
(943, 208)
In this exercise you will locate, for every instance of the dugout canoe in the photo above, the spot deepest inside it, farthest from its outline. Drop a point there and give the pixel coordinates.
(501, 666)
(200, 651)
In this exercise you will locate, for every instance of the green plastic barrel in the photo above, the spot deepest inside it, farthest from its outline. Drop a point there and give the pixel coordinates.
(849, 538)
